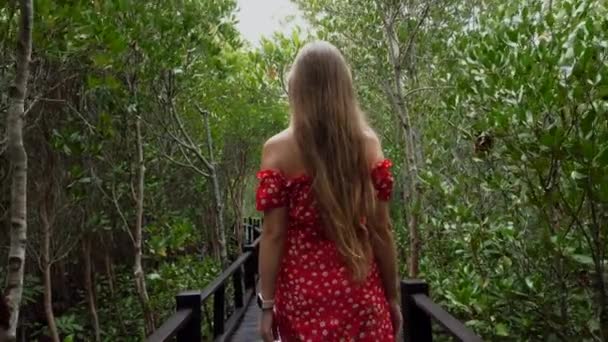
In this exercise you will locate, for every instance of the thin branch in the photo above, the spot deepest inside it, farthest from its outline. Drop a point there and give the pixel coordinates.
(64, 254)
(189, 165)
(462, 130)
(413, 91)
(43, 97)
(410, 43)
(180, 146)
(395, 103)
(121, 214)
(190, 145)
(3, 145)
(190, 162)
(282, 80)
(91, 128)
(114, 200)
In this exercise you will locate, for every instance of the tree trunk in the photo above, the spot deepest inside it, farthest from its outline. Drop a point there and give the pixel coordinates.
(414, 193)
(602, 302)
(219, 204)
(111, 283)
(138, 271)
(109, 270)
(46, 267)
(89, 279)
(398, 102)
(18, 159)
(62, 285)
(237, 203)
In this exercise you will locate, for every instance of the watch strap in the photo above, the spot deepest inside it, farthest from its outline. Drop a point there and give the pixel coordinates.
(265, 304)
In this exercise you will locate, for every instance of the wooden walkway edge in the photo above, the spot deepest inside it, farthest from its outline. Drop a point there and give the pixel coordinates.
(248, 330)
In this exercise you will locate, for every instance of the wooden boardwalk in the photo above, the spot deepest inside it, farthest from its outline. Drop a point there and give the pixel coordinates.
(249, 327)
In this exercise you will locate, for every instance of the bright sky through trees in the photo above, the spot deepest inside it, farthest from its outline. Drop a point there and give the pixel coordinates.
(258, 18)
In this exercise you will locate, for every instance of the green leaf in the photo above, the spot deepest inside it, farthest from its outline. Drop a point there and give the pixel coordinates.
(501, 329)
(154, 276)
(577, 175)
(85, 180)
(583, 259)
(602, 92)
(601, 159)
(530, 283)
(111, 82)
(101, 60)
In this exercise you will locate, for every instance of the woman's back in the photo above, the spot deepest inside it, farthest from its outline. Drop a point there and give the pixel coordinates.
(327, 260)
(316, 297)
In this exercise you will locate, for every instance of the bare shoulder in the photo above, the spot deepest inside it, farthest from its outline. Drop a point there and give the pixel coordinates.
(279, 138)
(373, 146)
(277, 150)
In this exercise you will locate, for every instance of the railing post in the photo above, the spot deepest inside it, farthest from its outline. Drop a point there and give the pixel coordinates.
(257, 229)
(237, 279)
(418, 323)
(247, 231)
(218, 311)
(192, 330)
(250, 267)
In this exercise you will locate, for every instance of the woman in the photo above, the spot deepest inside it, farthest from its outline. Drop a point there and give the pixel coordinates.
(327, 256)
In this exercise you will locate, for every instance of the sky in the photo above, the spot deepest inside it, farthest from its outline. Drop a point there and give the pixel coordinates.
(258, 18)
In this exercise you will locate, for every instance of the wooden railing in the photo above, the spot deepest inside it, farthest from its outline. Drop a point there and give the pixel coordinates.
(185, 323)
(419, 311)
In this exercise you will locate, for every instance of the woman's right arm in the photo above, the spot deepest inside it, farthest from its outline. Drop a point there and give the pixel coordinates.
(383, 241)
(385, 251)
(386, 257)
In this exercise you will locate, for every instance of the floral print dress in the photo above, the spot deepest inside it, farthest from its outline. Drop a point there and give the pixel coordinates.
(315, 298)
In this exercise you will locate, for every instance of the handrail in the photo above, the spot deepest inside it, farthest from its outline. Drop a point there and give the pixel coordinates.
(451, 325)
(221, 279)
(418, 310)
(171, 326)
(185, 323)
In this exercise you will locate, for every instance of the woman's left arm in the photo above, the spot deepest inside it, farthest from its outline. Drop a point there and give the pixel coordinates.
(271, 250)
(271, 246)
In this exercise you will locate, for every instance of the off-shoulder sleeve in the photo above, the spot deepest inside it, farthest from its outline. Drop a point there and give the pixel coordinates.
(271, 192)
(382, 178)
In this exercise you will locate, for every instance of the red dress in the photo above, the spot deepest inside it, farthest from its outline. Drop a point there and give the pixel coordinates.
(315, 299)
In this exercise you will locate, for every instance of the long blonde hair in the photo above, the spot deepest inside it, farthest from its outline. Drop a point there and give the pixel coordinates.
(330, 129)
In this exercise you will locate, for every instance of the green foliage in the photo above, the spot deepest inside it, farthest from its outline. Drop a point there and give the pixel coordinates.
(520, 216)
(170, 237)
(513, 129)
(120, 312)
(70, 326)
(508, 100)
(99, 66)
(187, 272)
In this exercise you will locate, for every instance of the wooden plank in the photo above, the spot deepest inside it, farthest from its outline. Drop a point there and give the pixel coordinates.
(248, 330)
(237, 318)
(171, 326)
(451, 325)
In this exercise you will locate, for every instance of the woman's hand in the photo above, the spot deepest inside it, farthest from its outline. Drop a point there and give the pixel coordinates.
(396, 318)
(266, 326)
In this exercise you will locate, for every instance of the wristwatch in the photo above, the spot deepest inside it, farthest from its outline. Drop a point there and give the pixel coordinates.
(265, 304)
